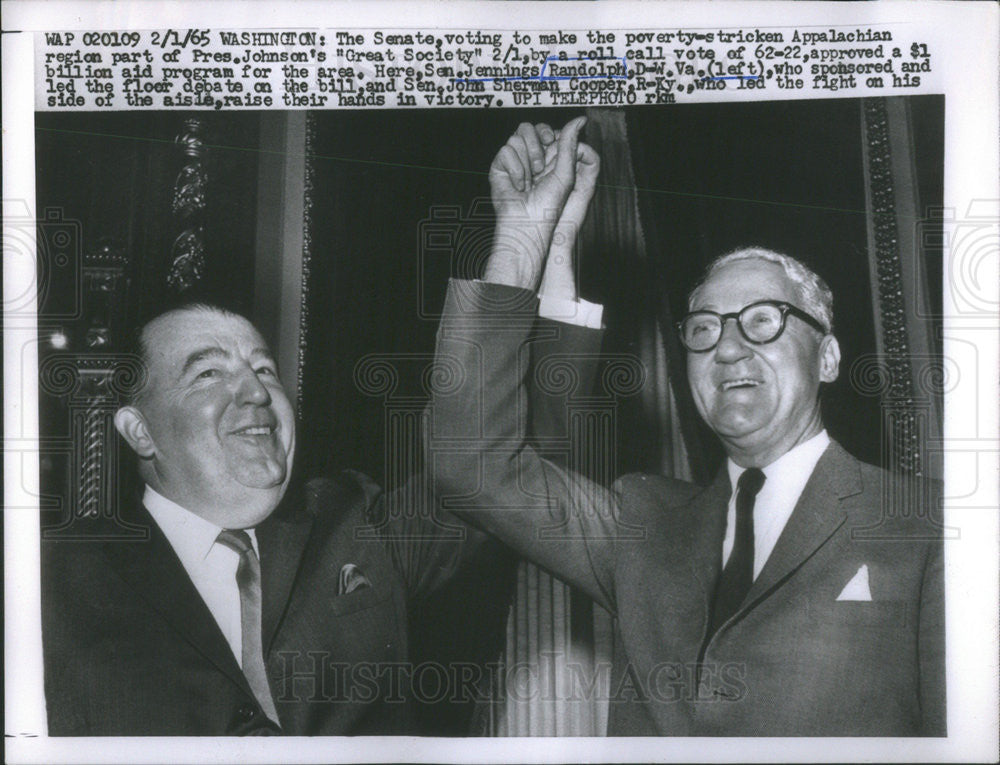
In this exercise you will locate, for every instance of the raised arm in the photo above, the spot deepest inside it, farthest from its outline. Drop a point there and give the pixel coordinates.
(429, 546)
(484, 468)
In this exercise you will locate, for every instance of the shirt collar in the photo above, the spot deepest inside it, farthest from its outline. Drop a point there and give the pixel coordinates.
(189, 534)
(792, 468)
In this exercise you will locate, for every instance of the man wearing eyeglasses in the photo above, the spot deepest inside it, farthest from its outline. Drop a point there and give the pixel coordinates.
(800, 594)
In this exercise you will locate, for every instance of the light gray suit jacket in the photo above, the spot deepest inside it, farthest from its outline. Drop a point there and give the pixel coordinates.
(794, 660)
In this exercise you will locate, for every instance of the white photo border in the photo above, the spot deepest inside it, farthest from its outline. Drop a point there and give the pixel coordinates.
(966, 72)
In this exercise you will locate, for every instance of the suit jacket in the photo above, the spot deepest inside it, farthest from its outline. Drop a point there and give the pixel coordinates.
(794, 660)
(130, 648)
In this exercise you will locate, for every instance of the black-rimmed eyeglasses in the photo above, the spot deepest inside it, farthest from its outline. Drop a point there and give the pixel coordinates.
(760, 322)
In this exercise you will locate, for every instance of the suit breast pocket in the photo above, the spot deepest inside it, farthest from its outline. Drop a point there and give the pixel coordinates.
(359, 600)
(890, 614)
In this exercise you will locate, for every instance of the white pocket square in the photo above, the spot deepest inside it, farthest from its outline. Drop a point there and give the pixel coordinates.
(857, 588)
(351, 579)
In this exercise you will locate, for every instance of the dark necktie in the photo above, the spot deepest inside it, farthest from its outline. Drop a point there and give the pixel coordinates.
(248, 579)
(737, 576)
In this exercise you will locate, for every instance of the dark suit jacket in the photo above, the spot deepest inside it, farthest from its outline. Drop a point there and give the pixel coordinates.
(794, 660)
(131, 648)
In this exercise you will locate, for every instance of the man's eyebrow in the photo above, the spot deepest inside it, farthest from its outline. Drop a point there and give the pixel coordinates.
(264, 352)
(212, 351)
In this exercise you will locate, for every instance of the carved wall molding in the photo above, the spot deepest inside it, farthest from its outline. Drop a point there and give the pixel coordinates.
(187, 252)
(307, 227)
(892, 292)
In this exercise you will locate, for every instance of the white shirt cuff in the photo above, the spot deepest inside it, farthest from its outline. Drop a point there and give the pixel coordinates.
(578, 312)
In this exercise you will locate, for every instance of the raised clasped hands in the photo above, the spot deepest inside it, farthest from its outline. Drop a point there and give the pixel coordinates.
(541, 183)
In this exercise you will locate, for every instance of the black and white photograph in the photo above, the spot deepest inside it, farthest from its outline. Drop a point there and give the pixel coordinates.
(464, 425)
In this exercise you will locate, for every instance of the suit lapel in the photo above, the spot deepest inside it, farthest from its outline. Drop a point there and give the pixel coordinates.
(698, 553)
(706, 542)
(817, 515)
(152, 568)
(282, 539)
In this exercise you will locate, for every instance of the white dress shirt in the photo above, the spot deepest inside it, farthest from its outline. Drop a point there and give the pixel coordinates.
(786, 478)
(578, 312)
(210, 564)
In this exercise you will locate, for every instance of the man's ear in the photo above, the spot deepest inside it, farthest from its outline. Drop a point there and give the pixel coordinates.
(132, 425)
(829, 359)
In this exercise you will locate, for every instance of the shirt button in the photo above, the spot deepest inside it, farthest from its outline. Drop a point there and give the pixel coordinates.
(247, 712)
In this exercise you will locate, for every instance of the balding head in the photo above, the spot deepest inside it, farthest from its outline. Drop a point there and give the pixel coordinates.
(212, 426)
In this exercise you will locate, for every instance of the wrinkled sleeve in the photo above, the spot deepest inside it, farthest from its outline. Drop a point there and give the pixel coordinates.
(484, 466)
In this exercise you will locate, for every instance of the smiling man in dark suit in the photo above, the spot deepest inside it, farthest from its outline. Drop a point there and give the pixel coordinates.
(231, 617)
(255, 605)
(801, 593)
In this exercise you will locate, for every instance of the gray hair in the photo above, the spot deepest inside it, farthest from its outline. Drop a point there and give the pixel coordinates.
(814, 294)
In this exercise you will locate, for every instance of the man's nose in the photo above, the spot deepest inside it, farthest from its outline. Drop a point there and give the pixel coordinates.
(732, 346)
(250, 390)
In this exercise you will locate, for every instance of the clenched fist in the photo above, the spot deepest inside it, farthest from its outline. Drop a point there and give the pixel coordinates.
(540, 179)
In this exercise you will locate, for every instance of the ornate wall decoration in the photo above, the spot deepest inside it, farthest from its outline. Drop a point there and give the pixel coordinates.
(903, 429)
(187, 252)
(307, 227)
(94, 381)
